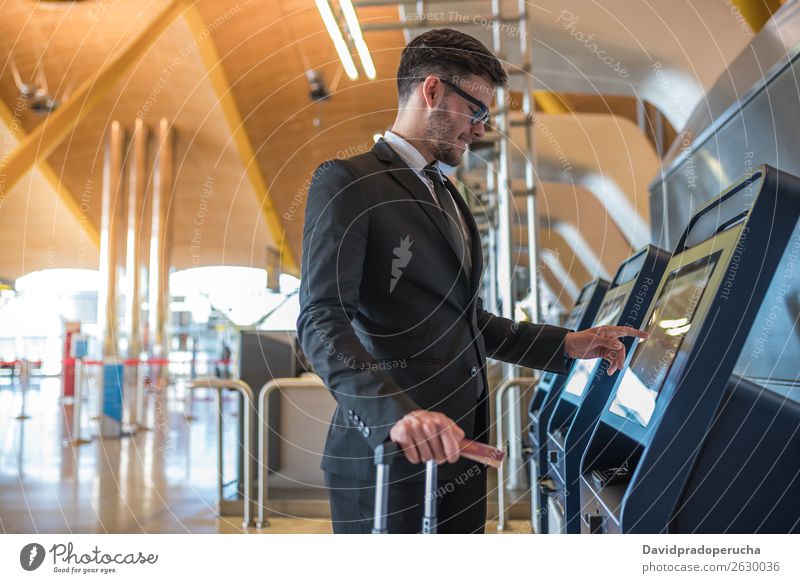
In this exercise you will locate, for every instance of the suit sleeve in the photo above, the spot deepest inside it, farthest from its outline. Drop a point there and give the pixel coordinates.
(539, 346)
(335, 235)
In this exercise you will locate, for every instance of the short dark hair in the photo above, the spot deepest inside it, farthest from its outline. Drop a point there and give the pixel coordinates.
(445, 52)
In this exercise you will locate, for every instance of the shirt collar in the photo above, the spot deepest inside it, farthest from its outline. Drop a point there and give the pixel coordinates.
(413, 157)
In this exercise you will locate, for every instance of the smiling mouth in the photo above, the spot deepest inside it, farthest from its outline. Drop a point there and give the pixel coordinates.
(464, 143)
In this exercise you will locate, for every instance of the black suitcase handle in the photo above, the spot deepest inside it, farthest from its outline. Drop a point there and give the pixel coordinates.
(384, 454)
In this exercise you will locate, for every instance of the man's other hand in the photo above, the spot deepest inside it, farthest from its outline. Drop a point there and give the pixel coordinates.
(426, 435)
(601, 342)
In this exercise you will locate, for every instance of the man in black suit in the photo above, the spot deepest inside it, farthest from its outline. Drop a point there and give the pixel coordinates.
(389, 312)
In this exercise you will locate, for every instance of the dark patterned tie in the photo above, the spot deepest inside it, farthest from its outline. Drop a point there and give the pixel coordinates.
(448, 207)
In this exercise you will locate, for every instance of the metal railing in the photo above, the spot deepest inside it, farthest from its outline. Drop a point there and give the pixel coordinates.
(263, 434)
(505, 386)
(247, 415)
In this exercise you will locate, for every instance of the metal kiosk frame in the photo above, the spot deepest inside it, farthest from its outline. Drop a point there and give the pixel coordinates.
(658, 436)
(587, 386)
(544, 397)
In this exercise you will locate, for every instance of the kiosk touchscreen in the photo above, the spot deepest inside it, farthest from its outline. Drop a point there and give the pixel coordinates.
(587, 387)
(546, 390)
(682, 444)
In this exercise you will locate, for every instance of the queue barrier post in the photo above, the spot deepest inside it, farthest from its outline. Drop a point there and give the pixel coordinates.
(141, 400)
(188, 402)
(77, 399)
(144, 383)
(500, 394)
(24, 383)
(247, 394)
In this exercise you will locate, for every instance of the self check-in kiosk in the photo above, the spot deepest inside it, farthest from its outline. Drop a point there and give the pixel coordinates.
(682, 445)
(580, 317)
(587, 387)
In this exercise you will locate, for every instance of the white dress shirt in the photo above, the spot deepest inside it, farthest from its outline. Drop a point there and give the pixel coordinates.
(416, 161)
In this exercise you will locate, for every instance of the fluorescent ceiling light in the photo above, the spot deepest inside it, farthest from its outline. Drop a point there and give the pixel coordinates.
(355, 31)
(337, 38)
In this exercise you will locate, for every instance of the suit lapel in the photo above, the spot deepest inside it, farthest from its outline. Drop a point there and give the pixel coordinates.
(401, 172)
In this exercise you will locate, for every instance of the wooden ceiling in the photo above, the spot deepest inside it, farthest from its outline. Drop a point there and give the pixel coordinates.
(267, 50)
(264, 49)
(231, 77)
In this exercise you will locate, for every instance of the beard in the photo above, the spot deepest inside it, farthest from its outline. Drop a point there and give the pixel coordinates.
(441, 136)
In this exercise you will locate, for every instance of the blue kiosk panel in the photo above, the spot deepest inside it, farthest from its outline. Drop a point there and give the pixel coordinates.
(544, 396)
(654, 460)
(587, 387)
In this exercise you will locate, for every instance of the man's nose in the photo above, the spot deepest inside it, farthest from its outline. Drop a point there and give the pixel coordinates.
(478, 130)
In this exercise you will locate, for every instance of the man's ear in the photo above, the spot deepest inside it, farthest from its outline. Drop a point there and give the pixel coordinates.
(432, 91)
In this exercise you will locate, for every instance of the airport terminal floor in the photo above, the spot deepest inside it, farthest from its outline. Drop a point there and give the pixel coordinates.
(158, 481)
(308, 268)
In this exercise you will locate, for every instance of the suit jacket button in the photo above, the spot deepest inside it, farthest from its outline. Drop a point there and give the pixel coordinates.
(473, 371)
(350, 413)
(361, 425)
(366, 432)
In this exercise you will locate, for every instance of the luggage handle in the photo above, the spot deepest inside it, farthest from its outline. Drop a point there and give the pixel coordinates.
(384, 454)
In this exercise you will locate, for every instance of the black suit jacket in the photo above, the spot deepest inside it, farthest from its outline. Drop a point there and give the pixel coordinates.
(389, 318)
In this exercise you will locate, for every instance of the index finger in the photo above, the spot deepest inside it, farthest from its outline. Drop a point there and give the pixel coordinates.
(451, 449)
(620, 331)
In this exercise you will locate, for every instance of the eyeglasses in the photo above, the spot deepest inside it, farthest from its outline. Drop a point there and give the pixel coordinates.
(481, 115)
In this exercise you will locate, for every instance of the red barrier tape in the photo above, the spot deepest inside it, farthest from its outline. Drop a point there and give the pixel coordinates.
(134, 361)
(126, 362)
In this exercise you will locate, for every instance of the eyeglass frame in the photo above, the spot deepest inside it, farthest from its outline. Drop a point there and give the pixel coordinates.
(480, 116)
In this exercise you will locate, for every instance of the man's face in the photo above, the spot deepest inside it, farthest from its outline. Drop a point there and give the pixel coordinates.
(447, 128)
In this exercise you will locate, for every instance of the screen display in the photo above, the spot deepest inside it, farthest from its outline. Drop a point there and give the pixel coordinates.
(669, 323)
(582, 369)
